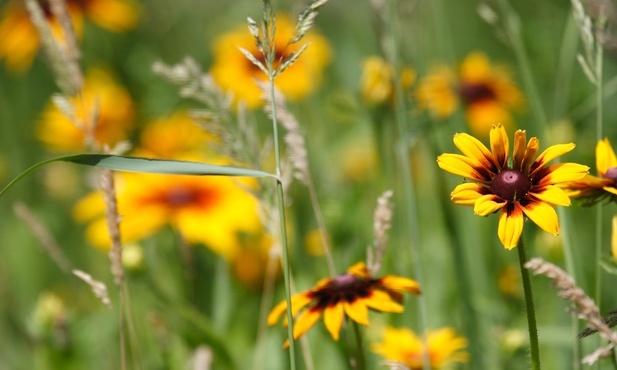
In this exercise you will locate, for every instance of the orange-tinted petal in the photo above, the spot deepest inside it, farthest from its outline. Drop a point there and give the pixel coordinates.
(305, 322)
(360, 270)
(605, 156)
(400, 284)
(333, 319)
(562, 172)
(520, 137)
(466, 194)
(487, 204)
(474, 150)
(552, 194)
(549, 154)
(459, 165)
(510, 226)
(357, 311)
(382, 301)
(530, 153)
(500, 145)
(543, 215)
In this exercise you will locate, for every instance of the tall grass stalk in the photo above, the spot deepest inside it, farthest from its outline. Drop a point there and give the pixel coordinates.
(408, 191)
(529, 307)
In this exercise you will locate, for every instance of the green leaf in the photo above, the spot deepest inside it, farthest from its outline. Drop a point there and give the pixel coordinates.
(609, 264)
(145, 165)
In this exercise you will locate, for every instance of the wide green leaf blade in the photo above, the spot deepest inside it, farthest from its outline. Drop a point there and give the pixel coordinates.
(146, 165)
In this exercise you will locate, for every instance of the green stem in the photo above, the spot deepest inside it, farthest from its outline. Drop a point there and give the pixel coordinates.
(529, 307)
(281, 209)
(360, 360)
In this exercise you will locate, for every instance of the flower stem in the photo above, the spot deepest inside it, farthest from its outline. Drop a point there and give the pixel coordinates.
(281, 210)
(360, 361)
(529, 307)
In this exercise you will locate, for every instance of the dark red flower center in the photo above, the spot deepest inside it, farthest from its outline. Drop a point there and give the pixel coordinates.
(511, 185)
(342, 288)
(473, 93)
(611, 174)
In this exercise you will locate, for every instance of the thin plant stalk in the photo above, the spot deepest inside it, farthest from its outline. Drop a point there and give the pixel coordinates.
(281, 210)
(407, 176)
(360, 359)
(599, 123)
(529, 307)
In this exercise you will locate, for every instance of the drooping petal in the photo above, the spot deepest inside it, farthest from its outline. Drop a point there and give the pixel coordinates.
(487, 204)
(466, 194)
(382, 301)
(561, 172)
(298, 301)
(549, 154)
(399, 284)
(510, 226)
(460, 165)
(543, 215)
(605, 156)
(305, 322)
(333, 319)
(474, 150)
(520, 137)
(357, 311)
(552, 194)
(500, 145)
(530, 154)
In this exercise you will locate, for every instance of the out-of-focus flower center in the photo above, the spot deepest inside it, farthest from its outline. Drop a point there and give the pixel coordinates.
(279, 56)
(473, 93)
(611, 174)
(343, 282)
(511, 185)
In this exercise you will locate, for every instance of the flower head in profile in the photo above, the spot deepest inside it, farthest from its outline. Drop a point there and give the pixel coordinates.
(235, 73)
(403, 346)
(377, 80)
(521, 186)
(20, 40)
(486, 92)
(350, 294)
(73, 128)
(593, 189)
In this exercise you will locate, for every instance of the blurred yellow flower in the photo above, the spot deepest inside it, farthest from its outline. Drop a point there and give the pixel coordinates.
(20, 40)
(212, 210)
(233, 72)
(404, 346)
(250, 262)
(377, 81)
(101, 94)
(486, 91)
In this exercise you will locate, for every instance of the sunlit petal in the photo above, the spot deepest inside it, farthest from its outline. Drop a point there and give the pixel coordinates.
(382, 301)
(500, 144)
(520, 138)
(552, 194)
(305, 322)
(530, 154)
(543, 215)
(610, 189)
(474, 150)
(359, 269)
(549, 154)
(333, 319)
(459, 165)
(605, 156)
(510, 227)
(466, 194)
(399, 284)
(487, 204)
(562, 172)
(357, 311)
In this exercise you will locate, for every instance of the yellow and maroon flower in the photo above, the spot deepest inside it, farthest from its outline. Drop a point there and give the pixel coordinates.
(593, 189)
(486, 91)
(444, 347)
(20, 40)
(233, 72)
(350, 294)
(519, 187)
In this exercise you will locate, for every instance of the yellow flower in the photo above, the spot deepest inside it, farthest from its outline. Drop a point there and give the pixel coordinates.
(100, 94)
(404, 346)
(20, 40)
(211, 210)
(350, 294)
(597, 188)
(519, 187)
(486, 92)
(376, 83)
(233, 72)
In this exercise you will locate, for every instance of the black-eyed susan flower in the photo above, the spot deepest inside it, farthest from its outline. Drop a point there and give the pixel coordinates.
(350, 294)
(233, 72)
(602, 187)
(519, 187)
(20, 40)
(213, 210)
(101, 94)
(377, 80)
(486, 92)
(402, 345)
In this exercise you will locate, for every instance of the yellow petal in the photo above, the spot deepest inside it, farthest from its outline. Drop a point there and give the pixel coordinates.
(333, 319)
(474, 150)
(605, 156)
(510, 227)
(549, 154)
(357, 311)
(552, 194)
(530, 153)
(359, 269)
(563, 172)
(305, 322)
(500, 145)
(400, 284)
(459, 165)
(487, 204)
(298, 301)
(543, 215)
(382, 301)
(610, 189)
(519, 149)
(466, 194)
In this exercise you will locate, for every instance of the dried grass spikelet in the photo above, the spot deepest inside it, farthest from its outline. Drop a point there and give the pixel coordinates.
(113, 225)
(382, 221)
(98, 288)
(583, 306)
(394, 365)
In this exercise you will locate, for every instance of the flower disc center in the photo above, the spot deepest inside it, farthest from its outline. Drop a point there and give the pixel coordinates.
(511, 185)
(343, 281)
(611, 174)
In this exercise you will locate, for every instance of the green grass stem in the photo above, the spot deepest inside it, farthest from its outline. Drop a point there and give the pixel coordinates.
(529, 307)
